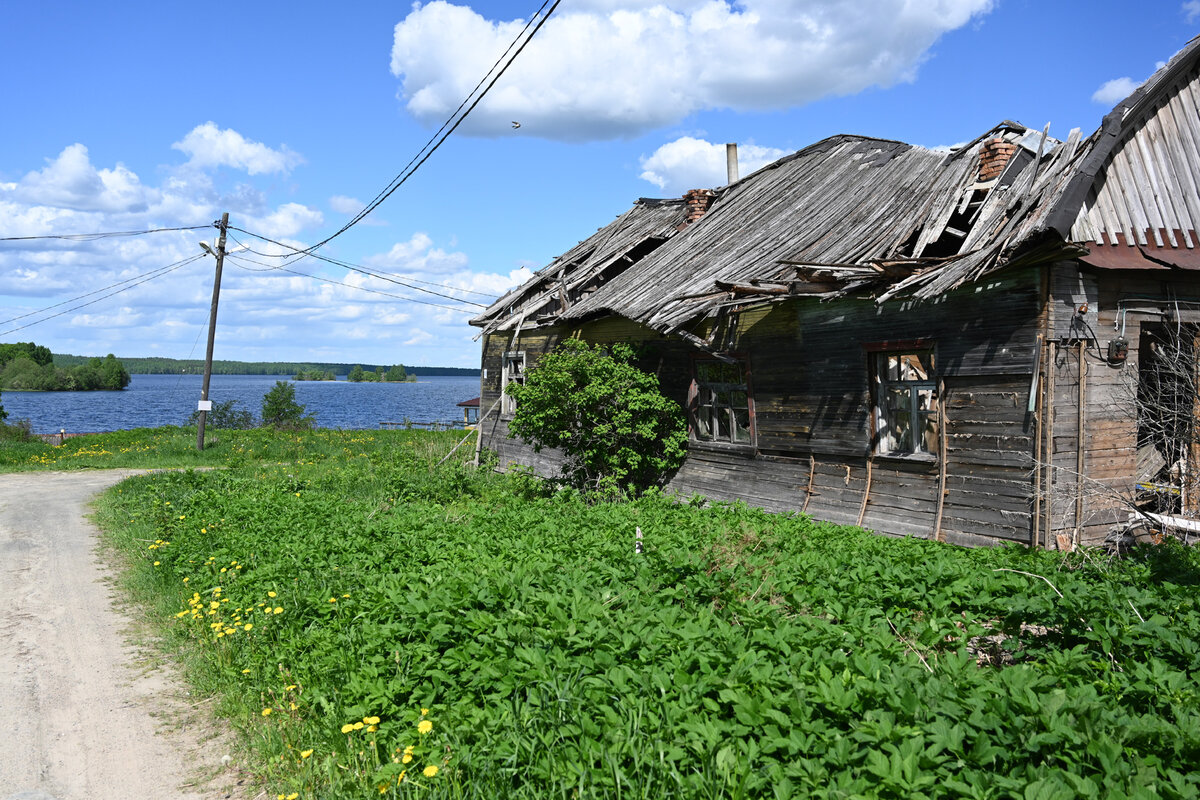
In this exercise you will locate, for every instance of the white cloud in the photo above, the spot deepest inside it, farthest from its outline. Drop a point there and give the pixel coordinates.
(690, 163)
(209, 146)
(1114, 91)
(612, 68)
(71, 182)
(1191, 10)
(288, 220)
(418, 337)
(345, 205)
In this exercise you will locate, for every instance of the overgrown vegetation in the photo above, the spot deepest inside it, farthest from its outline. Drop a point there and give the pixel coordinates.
(330, 590)
(225, 416)
(608, 417)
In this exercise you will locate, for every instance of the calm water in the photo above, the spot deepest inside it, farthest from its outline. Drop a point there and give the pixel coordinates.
(153, 400)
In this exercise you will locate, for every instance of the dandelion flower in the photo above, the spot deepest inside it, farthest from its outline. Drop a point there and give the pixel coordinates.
(248, 626)
(371, 720)
(333, 599)
(405, 759)
(358, 726)
(266, 712)
(245, 672)
(305, 753)
(372, 728)
(204, 530)
(156, 563)
(278, 609)
(424, 726)
(289, 688)
(270, 594)
(424, 711)
(292, 796)
(430, 771)
(347, 728)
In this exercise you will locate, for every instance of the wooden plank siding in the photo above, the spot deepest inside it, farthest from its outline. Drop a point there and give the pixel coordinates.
(809, 376)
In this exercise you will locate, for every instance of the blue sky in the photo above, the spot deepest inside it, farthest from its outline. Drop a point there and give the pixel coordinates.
(290, 116)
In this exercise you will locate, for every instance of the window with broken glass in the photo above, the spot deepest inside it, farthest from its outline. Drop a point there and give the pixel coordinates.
(722, 403)
(513, 372)
(906, 418)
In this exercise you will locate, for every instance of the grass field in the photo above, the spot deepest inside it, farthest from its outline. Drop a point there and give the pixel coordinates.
(374, 625)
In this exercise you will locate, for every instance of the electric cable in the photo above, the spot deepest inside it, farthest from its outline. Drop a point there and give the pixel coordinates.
(244, 247)
(451, 124)
(235, 259)
(88, 237)
(158, 274)
(303, 253)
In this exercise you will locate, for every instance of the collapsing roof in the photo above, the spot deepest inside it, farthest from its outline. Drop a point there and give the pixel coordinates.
(883, 219)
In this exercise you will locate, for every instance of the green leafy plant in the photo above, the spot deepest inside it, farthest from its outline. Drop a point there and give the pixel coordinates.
(280, 409)
(226, 416)
(609, 418)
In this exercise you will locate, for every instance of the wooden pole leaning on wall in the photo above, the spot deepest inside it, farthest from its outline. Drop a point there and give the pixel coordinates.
(812, 474)
(1048, 426)
(941, 489)
(1081, 424)
(212, 331)
(862, 510)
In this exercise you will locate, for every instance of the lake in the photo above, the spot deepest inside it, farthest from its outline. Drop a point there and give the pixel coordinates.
(154, 400)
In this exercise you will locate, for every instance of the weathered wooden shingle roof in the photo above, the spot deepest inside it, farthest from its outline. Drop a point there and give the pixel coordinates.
(884, 219)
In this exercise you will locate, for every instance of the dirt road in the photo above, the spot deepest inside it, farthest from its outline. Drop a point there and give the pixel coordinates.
(82, 715)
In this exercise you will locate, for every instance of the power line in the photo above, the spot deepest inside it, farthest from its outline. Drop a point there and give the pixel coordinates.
(152, 276)
(452, 122)
(301, 253)
(88, 237)
(151, 273)
(237, 258)
(348, 264)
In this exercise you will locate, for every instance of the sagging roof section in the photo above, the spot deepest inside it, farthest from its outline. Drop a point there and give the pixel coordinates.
(883, 219)
(588, 267)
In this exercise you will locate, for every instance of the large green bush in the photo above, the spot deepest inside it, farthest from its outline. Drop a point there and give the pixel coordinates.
(280, 409)
(608, 417)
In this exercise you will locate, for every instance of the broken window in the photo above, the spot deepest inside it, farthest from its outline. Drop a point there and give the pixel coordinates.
(513, 372)
(721, 407)
(906, 418)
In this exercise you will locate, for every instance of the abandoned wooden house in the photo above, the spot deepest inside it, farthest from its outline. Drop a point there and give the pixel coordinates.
(996, 343)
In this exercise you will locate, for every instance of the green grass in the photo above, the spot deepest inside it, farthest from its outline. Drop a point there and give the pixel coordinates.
(743, 654)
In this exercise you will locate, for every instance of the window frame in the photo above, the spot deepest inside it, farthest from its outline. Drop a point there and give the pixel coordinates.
(696, 402)
(880, 389)
(508, 405)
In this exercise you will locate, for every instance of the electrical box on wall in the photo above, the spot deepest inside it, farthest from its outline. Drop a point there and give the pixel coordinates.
(1118, 350)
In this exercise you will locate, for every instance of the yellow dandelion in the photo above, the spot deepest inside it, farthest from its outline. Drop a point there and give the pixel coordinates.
(406, 758)
(424, 726)
(183, 516)
(400, 779)
(289, 688)
(245, 672)
(248, 626)
(371, 720)
(430, 771)
(345, 595)
(292, 796)
(333, 599)
(278, 609)
(270, 594)
(156, 563)
(297, 494)
(424, 711)
(347, 728)
(224, 569)
(358, 726)
(266, 712)
(204, 530)
(305, 753)
(371, 729)
(185, 580)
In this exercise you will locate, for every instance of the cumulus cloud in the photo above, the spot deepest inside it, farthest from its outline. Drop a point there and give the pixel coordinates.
(690, 163)
(208, 146)
(605, 69)
(71, 182)
(1114, 91)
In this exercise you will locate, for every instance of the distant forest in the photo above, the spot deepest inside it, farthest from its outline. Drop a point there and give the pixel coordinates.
(195, 366)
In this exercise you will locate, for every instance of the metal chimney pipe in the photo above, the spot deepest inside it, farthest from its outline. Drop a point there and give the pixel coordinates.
(731, 165)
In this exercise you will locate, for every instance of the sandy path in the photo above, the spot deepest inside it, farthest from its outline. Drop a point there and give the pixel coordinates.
(81, 716)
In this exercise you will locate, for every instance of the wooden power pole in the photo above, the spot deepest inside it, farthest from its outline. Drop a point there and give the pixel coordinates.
(205, 404)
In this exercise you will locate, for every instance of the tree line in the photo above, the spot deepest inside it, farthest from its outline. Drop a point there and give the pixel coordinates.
(156, 365)
(26, 366)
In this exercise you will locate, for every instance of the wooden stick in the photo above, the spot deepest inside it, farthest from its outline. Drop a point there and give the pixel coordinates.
(812, 473)
(941, 490)
(862, 511)
(1079, 448)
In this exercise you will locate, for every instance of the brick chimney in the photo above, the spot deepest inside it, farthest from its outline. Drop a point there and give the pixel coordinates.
(698, 201)
(993, 157)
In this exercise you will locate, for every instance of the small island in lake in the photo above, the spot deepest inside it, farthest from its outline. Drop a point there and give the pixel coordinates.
(25, 366)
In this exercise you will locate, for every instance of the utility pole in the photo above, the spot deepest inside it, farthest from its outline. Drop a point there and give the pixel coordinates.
(205, 404)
